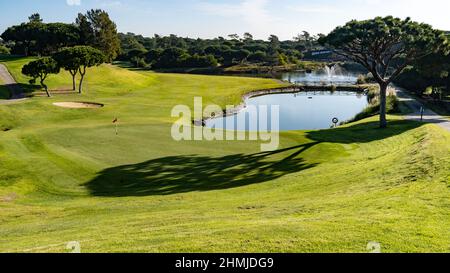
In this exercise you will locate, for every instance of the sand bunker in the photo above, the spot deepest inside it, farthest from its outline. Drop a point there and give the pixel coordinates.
(78, 105)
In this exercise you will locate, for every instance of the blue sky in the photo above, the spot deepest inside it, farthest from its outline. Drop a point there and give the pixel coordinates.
(211, 18)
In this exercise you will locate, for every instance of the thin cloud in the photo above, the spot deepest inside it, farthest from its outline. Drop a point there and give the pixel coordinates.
(73, 2)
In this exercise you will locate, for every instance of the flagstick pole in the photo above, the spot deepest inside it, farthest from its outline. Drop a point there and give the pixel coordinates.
(116, 125)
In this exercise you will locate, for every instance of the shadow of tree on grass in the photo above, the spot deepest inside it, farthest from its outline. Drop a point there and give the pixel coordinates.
(363, 132)
(182, 174)
(20, 90)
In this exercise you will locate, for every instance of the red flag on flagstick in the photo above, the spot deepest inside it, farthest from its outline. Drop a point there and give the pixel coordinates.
(115, 120)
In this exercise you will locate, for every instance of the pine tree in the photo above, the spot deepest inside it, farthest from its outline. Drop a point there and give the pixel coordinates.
(105, 33)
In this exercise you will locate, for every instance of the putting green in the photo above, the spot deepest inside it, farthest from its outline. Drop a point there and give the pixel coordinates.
(66, 176)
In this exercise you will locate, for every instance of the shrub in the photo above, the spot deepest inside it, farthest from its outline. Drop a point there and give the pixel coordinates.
(361, 80)
(282, 59)
(257, 57)
(364, 79)
(196, 61)
(392, 106)
(4, 50)
(139, 62)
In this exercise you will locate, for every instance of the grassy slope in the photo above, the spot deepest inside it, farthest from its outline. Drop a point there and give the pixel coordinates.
(65, 176)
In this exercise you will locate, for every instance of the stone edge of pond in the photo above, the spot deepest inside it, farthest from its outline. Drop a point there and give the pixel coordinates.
(281, 90)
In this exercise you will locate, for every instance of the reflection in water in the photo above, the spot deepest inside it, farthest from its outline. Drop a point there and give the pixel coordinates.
(300, 111)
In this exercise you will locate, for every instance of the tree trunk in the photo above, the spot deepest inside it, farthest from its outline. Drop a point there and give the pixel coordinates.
(46, 91)
(82, 73)
(383, 99)
(46, 88)
(27, 49)
(80, 88)
(74, 85)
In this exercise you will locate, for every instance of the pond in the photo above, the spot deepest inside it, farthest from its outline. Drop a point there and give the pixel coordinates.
(298, 111)
(328, 75)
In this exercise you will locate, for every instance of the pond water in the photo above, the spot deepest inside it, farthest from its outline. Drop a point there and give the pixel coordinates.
(328, 75)
(299, 111)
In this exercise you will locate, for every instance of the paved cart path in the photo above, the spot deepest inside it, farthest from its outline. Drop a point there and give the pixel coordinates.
(429, 116)
(10, 82)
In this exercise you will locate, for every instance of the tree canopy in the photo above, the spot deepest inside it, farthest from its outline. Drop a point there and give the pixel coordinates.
(35, 37)
(40, 69)
(83, 57)
(432, 71)
(226, 52)
(35, 18)
(96, 29)
(69, 59)
(99, 31)
(385, 46)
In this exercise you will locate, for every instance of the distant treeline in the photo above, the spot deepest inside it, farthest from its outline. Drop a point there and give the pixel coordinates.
(96, 29)
(160, 52)
(36, 38)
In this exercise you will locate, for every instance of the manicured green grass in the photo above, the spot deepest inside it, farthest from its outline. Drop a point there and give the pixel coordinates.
(65, 176)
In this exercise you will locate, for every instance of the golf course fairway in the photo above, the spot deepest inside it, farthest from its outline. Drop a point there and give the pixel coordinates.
(66, 176)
